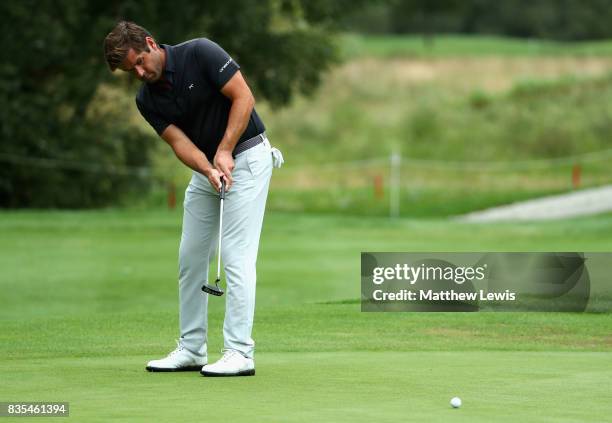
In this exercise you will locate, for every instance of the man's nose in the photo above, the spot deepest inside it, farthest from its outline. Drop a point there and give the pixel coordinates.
(139, 71)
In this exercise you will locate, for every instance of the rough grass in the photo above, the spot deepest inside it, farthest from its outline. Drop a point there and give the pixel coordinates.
(480, 100)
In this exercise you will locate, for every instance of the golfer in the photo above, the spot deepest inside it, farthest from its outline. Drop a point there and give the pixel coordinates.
(197, 100)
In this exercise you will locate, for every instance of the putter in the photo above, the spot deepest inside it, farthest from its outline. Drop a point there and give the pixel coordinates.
(208, 288)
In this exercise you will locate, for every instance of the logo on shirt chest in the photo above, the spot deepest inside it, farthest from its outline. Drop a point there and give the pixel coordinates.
(190, 86)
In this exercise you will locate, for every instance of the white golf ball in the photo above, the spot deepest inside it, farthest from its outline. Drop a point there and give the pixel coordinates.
(456, 402)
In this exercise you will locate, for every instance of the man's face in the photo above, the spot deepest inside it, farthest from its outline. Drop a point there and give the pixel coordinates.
(147, 67)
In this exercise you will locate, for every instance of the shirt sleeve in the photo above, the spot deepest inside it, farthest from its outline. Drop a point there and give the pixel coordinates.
(215, 63)
(155, 119)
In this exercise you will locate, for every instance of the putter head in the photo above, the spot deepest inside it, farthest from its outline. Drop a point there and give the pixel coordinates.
(212, 289)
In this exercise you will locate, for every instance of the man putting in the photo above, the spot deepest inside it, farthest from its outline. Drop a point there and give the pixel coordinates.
(196, 99)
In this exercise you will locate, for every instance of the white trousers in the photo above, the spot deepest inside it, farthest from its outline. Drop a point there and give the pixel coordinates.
(243, 212)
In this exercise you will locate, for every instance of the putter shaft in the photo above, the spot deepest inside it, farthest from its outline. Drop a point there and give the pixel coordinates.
(210, 289)
(221, 198)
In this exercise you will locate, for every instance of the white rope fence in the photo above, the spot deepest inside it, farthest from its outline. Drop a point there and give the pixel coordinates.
(501, 166)
(89, 167)
(392, 164)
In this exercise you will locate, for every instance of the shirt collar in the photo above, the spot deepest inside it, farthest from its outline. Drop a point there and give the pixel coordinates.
(169, 68)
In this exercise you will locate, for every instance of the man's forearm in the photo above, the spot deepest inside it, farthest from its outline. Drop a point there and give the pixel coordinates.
(186, 151)
(192, 157)
(239, 116)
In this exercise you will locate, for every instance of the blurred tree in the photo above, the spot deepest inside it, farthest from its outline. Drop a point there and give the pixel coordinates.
(373, 18)
(554, 19)
(426, 17)
(52, 67)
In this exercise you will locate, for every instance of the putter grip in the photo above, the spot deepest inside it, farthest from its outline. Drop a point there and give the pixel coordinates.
(222, 192)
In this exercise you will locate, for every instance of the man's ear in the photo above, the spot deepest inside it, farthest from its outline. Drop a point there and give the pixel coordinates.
(151, 43)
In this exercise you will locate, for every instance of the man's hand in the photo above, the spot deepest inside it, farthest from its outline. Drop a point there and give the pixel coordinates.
(214, 178)
(224, 163)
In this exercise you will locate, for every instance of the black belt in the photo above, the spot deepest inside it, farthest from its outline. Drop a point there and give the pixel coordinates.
(250, 143)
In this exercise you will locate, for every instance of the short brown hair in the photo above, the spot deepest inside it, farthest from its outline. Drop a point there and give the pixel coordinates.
(118, 42)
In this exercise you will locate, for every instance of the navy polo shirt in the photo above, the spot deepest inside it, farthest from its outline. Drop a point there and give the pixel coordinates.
(189, 95)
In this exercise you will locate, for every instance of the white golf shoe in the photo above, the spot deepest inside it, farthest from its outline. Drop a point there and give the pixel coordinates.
(232, 363)
(179, 360)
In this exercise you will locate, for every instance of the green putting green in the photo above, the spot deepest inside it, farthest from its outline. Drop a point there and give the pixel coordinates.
(89, 297)
(337, 386)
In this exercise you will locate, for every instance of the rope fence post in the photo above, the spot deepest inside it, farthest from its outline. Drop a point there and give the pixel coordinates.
(394, 185)
(576, 173)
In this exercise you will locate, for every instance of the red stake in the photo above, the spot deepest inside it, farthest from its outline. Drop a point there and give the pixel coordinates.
(171, 196)
(576, 171)
(379, 187)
